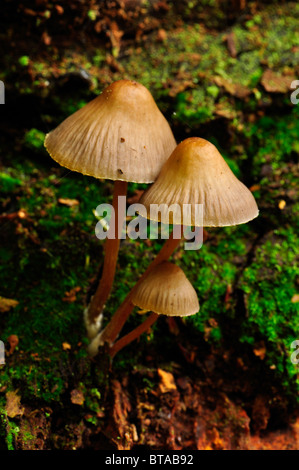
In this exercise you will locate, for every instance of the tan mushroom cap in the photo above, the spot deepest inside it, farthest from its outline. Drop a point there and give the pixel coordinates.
(166, 291)
(120, 135)
(196, 173)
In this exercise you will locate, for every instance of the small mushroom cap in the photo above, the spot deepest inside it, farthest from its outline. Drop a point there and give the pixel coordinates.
(196, 173)
(120, 135)
(166, 291)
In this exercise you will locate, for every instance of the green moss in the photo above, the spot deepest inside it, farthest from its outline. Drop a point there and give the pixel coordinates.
(8, 183)
(24, 60)
(34, 139)
(8, 429)
(269, 285)
(42, 266)
(195, 106)
(212, 270)
(273, 140)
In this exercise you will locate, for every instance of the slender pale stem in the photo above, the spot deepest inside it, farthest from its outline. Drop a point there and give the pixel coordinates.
(134, 334)
(110, 259)
(112, 330)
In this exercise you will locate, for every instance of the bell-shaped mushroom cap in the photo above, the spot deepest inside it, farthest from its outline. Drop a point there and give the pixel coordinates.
(166, 291)
(196, 173)
(120, 135)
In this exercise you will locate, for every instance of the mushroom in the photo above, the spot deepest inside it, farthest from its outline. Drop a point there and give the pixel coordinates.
(195, 173)
(121, 135)
(165, 291)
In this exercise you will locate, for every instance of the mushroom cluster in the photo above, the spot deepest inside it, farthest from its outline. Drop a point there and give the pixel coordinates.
(121, 135)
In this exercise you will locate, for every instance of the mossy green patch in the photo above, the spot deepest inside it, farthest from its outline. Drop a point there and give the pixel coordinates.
(269, 286)
(213, 270)
(273, 140)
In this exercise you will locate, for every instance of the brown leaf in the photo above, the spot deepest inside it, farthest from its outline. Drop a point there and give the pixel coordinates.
(29, 12)
(7, 304)
(167, 383)
(255, 187)
(161, 35)
(71, 295)
(260, 351)
(68, 202)
(225, 112)
(46, 39)
(59, 9)
(77, 397)
(234, 89)
(231, 45)
(13, 405)
(66, 346)
(276, 83)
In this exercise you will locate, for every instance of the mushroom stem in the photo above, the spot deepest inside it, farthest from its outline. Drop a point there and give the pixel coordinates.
(111, 253)
(112, 330)
(134, 334)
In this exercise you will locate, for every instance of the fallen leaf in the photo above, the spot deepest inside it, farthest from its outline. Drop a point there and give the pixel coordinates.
(71, 295)
(29, 12)
(68, 202)
(225, 112)
(77, 397)
(255, 187)
(231, 45)
(234, 89)
(161, 35)
(276, 83)
(7, 304)
(167, 383)
(66, 346)
(46, 39)
(260, 351)
(13, 405)
(59, 9)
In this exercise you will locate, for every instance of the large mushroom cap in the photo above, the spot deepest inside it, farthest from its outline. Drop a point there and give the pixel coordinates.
(166, 291)
(196, 173)
(120, 135)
